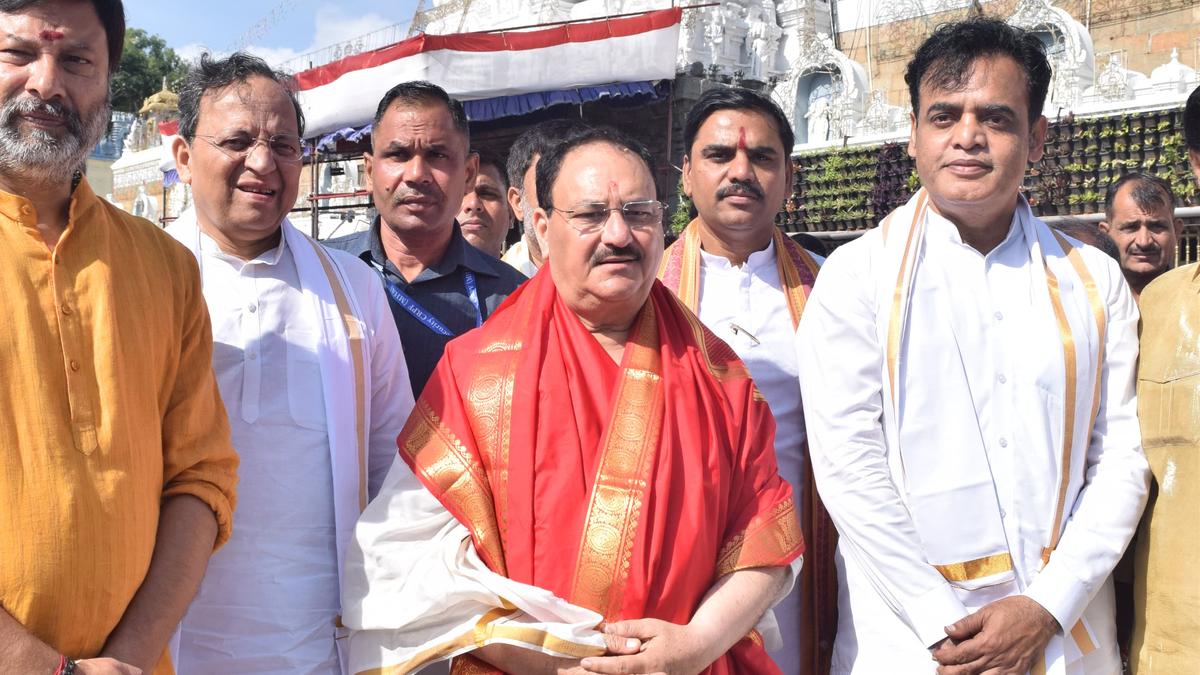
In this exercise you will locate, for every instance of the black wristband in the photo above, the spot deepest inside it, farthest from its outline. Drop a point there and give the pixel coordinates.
(68, 667)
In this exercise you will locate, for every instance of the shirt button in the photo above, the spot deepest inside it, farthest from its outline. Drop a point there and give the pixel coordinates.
(999, 316)
(252, 355)
(1003, 513)
(252, 307)
(1003, 442)
(1003, 379)
(74, 365)
(26, 210)
(66, 309)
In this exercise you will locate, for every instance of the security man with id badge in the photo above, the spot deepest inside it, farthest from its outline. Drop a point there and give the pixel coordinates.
(418, 169)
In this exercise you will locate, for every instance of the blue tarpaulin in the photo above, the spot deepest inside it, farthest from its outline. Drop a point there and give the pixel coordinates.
(487, 109)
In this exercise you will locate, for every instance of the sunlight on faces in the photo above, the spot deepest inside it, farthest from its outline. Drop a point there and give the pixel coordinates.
(484, 217)
(972, 146)
(54, 83)
(605, 276)
(1146, 239)
(244, 199)
(523, 202)
(419, 168)
(737, 172)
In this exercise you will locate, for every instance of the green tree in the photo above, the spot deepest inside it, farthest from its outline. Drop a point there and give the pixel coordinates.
(146, 61)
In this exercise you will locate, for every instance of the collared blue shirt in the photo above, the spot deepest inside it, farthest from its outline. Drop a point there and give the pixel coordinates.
(440, 289)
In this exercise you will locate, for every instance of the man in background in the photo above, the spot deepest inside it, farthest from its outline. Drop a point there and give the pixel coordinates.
(418, 169)
(485, 217)
(526, 255)
(1139, 215)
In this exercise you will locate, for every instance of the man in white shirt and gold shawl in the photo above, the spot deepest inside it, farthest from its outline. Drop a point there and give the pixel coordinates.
(968, 379)
(748, 283)
(310, 368)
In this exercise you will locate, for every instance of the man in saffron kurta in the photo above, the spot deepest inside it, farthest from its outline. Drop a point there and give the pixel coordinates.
(577, 470)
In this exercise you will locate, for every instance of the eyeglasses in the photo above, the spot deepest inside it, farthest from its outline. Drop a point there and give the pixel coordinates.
(286, 148)
(589, 218)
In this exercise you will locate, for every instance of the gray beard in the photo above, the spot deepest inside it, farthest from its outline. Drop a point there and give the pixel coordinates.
(43, 156)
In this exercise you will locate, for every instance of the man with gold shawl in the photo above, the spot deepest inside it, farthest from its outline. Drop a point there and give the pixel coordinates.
(748, 283)
(589, 480)
(968, 379)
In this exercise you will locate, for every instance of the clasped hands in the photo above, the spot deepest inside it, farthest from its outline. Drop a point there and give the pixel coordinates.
(650, 647)
(1002, 638)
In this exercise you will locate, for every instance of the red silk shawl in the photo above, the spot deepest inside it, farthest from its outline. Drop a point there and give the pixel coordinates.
(626, 489)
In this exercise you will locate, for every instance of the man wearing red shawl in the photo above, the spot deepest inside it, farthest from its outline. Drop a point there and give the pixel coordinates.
(589, 480)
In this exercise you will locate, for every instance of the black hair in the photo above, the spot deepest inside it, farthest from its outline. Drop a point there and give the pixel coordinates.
(1149, 192)
(1191, 121)
(212, 74)
(1089, 234)
(551, 162)
(735, 98)
(419, 93)
(487, 158)
(535, 142)
(112, 17)
(945, 60)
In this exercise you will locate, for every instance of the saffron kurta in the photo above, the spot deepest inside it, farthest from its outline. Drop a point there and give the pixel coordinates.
(108, 405)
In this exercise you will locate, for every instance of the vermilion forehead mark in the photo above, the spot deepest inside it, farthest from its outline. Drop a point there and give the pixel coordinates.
(49, 35)
(741, 138)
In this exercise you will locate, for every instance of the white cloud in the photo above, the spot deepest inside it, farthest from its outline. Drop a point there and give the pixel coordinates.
(191, 52)
(273, 55)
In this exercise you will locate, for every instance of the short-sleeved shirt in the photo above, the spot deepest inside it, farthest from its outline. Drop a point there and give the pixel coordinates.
(440, 289)
(108, 405)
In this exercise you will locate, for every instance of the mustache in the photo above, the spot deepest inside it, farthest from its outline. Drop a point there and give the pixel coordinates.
(1145, 250)
(28, 105)
(739, 189)
(604, 253)
(403, 193)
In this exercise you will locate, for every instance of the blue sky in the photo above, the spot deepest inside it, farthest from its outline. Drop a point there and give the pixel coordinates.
(301, 25)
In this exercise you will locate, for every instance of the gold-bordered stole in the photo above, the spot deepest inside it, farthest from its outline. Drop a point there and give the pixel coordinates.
(489, 401)
(457, 478)
(768, 541)
(623, 479)
(357, 349)
(797, 272)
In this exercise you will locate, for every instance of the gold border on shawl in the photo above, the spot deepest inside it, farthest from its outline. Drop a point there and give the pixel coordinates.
(1083, 639)
(1071, 374)
(489, 400)
(1100, 317)
(486, 631)
(895, 324)
(976, 569)
(689, 274)
(730, 370)
(623, 477)
(789, 275)
(768, 541)
(358, 360)
(458, 478)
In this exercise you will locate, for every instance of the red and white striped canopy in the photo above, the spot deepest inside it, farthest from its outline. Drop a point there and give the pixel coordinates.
(484, 65)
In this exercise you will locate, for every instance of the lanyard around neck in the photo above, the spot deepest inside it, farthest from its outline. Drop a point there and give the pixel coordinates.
(423, 315)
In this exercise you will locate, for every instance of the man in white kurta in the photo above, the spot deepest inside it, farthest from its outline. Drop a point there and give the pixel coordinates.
(968, 380)
(746, 281)
(311, 371)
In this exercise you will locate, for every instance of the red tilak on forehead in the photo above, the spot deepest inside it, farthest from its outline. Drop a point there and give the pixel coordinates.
(741, 138)
(51, 35)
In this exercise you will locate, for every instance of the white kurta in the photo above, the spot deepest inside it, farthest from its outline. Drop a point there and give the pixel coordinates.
(517, 257)
(893, 604)
(747, 308)
(271, 596)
